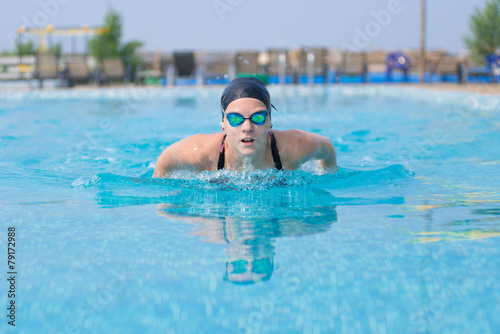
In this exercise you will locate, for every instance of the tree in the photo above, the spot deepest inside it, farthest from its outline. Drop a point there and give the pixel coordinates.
(485, 31)
(129, 56)
(57, 49)
(108, 45)
(27, 48)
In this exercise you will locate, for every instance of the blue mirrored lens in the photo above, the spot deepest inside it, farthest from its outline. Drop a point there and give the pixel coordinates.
(235, 119)
(258, 118)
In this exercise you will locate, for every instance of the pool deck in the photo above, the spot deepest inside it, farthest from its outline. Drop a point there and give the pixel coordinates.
(476, 88)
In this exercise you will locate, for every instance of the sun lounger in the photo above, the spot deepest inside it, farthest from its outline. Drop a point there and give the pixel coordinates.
(112, 69)
(398, 61)
(493, 63)
(184, 64)
(431, 57)
(312, 65)
(353, 64)
(247, 62)
(251, 63)
(46, 66)
(183, 71)
(152, 70)
(76, 70)
(446, 66)
(490, 71)
(279, 69)
(376, 66)
(215, 67)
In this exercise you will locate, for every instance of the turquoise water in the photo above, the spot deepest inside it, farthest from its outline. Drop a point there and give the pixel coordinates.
(404, 239)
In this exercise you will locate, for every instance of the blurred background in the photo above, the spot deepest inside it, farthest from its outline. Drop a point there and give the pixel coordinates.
(289, 41)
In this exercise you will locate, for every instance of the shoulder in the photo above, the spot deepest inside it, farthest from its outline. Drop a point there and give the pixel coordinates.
(196, 153)
(298, 138)
(199, 141)
(297, 147)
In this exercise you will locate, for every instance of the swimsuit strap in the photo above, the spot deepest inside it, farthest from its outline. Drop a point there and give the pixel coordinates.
(222, 160)
(274, 151)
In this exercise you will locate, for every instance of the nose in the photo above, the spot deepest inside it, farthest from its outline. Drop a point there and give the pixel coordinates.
(247, 125)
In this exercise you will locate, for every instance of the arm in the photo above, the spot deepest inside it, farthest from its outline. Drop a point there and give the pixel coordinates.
(304, 146)
(325, 153)
(185, 154)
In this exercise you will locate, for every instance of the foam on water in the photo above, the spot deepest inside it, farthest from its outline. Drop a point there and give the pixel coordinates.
(226, 180)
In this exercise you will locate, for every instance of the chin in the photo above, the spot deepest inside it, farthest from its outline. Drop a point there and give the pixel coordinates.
(247, 151)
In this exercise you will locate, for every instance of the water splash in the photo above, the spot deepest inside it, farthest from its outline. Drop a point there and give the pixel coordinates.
(227, 180)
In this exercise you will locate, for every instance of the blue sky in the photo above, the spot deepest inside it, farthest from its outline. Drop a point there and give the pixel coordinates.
(256, 24)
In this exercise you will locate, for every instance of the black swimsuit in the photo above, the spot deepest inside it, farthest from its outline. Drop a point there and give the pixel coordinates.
(274, 152)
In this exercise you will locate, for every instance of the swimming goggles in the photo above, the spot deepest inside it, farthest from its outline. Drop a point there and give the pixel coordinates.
(258, 118)
(260, 266)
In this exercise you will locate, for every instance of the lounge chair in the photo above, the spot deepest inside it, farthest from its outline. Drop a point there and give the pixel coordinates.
(247, 63)
(279, 69)
(183, 70)
(493, 63)
(490, 70)
(398, 61)
(251, 63)
(376, 67)
(353, 64)
(447, 65)
(184, 63)
(312, 65)
(215, 67)
(77, 70)
(46, 66)
(112, 69)
(152, 70)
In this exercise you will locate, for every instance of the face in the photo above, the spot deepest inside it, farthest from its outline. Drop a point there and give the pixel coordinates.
(248, 138)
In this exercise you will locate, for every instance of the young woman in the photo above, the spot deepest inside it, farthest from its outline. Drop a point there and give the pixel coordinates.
(247, 139)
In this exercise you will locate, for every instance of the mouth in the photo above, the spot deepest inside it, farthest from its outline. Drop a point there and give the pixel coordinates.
(247, 141)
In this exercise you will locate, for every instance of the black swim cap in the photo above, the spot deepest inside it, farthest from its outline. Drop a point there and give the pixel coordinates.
(245, 87)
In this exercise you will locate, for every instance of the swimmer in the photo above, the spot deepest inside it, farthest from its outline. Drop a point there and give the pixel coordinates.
(246, 139)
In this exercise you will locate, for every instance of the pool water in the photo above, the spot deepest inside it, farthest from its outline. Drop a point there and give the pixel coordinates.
(404, 239)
